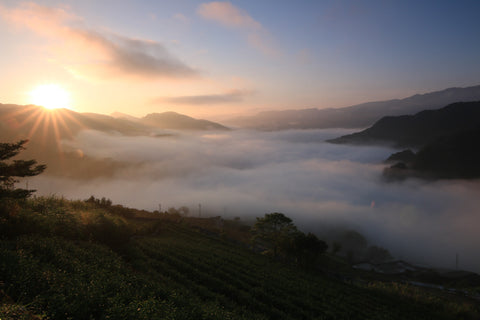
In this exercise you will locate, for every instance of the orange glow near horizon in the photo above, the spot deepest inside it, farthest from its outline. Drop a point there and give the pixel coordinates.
(50, 96)
(44, 124)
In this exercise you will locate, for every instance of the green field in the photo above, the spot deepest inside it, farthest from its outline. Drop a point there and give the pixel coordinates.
(64, 259)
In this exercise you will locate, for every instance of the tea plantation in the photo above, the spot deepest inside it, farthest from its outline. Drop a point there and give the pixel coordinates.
(62, 259)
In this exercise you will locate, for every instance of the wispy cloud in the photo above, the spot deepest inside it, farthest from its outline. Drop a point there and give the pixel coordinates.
(95, 54)
(223, 98)
(226, 14)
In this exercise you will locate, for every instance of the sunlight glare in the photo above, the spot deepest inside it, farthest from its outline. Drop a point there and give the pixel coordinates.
(50, 96)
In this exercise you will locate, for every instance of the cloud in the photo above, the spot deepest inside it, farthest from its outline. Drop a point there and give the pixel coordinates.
(227, 15)
(318, 185)
(233, 96)
(95, 54)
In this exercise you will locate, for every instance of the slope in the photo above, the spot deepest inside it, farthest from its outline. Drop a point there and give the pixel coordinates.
(74, 259)
(173, 120)
(357, 116)
(419, 129)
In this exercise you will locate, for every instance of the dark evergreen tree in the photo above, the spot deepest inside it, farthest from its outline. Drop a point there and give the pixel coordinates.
(274, 231)
(307, 248)
(10, 171)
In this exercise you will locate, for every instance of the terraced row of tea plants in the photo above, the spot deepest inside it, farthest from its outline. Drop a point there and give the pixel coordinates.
(165, 269)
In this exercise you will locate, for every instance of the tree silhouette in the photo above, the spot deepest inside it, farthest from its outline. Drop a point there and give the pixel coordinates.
(274, 231)
(307, 248)
(11, 170)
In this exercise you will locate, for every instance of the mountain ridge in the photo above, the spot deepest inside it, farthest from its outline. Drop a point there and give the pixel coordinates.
(174, 120)
(356, 116)
(418, 129)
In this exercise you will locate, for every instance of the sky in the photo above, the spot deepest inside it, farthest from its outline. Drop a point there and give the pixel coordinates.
(220, 59)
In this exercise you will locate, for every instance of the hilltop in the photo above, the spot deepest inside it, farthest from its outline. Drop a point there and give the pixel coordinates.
(52, 135)
(446, 140)
(173, 120)
(418, 129)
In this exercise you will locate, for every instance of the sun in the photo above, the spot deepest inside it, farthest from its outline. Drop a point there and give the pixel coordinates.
(50, 96)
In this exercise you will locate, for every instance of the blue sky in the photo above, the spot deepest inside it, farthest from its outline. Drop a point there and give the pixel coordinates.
(214, 58)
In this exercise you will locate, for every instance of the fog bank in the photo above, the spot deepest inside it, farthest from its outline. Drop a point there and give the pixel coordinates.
(249, 173)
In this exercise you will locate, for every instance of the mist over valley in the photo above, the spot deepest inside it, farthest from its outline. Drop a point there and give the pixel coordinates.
(321, 186)
(239, 160)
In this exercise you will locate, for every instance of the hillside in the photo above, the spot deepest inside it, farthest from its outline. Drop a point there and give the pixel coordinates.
(20, 121)
(173, 120)
(357, 116)
(419, 129)
(90, 259)
(50, 133)
(454, 156)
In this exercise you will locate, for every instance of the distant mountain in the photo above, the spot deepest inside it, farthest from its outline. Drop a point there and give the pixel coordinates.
(46, 129)
(120, 115)
(173, 120)
(405, 156)
(419, 129)
(357, 116)
(454, 156)
(20, 121)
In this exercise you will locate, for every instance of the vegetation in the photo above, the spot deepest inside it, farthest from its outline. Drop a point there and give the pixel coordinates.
(10, 171)
(277, 236)
(273, 231)
(62, 259)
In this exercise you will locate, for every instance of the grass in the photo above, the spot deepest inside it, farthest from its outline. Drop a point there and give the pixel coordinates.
(62, 259)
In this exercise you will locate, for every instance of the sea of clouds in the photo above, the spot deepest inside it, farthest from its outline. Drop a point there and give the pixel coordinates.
(319, 185)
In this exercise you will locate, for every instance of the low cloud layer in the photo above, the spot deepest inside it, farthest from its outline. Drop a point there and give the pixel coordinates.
(319, 185)
(95, 54)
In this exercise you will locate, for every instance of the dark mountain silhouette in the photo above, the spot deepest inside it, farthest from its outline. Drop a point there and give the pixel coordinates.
(419, 129)
(22, 121)
(357, 116)
(405, 156)
(173, 120)
(46, 129)
(447, 140)
(455, 156)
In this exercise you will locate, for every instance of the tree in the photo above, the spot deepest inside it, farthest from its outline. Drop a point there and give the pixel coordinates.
(307, 248)
(354, 245)
(11, 170)
(274, 231)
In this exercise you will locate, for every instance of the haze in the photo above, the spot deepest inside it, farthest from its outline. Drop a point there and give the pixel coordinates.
(215, 59)
(320, 185)
(221, 60)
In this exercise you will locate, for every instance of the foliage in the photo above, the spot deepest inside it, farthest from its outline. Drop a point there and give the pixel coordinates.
(275, 231)
(444, 304)
(355, 247)
(18, 168)
(307, 248)
(75, 220)
(53, 262)
(102, 203)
